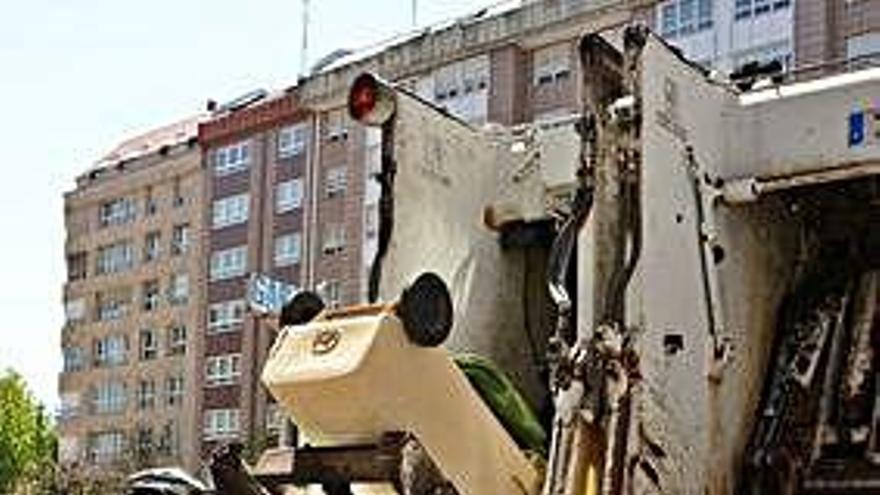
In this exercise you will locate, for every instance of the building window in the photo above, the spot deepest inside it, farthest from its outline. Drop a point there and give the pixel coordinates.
(174, 390)
(287, 249)
(146, 394)
(274, 420)
(446, 85)
(151, 205)
(179, 200)
(74, 311)
(168, 439)
(109, 398)
(231, 159)
(474, 75)
(762, 6)
(221, 424)
(461, 88)
(669, 19)
(179, 239)
(152, 246)
(335, 181)
(331, 292)
(781, 4)
(744, 9)
(334, 238)
(70, 406)
(117, 212)
(178, 289)
(150, 295)
(177, 340)
(288, 195)
(149, 347)
(371, 220)
(77, 266)
(704, 15)
(291, 141)
(112, 304)
(863, 48)
(685, 17)
(106, 447)
(73, 359)
(551, 64)
(225, 316)
(114, 258)
(336, 125)
(222, 370)
(229, 263)
(110, 350)
(144, 446)
(231, 210)
(373, 158)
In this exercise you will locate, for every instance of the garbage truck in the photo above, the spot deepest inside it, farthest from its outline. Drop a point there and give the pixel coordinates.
(673, 291)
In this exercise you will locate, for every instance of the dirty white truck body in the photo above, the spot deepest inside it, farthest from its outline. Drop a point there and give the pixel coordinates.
(702, 215)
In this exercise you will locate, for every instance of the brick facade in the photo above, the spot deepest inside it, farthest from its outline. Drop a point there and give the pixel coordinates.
(259, 127)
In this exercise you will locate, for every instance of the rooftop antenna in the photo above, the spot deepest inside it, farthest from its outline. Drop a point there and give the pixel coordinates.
(414, 11)
(304, 55)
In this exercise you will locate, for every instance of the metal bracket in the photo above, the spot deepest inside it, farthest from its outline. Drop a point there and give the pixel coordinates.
(396, 458)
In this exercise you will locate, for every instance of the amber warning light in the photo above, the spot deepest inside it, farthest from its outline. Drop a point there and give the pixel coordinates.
(371, 101)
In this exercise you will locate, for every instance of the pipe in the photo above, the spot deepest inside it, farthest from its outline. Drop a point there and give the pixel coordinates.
(750, 189)
(710, 254)
(314, 162)
(568, 390)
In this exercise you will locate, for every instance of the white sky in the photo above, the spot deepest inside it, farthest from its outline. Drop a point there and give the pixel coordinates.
(77, 77)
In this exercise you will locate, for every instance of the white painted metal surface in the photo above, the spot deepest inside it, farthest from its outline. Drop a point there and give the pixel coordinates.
(447, 174)
(348, 381)
(697, 403)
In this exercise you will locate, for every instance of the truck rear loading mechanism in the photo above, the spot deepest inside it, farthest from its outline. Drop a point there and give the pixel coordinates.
(681, 280)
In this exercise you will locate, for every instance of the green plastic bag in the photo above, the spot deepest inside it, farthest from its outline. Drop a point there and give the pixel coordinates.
(509, 407)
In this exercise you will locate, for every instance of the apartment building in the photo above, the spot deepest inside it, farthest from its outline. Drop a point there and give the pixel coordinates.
(254, 221)
(725, 34)
(131, 305)
(809, 36)
(828, 32)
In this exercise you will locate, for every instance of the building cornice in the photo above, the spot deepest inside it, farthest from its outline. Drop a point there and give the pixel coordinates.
(257, 118)
(468, 37)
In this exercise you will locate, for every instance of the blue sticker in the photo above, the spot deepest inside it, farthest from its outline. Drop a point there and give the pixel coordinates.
(856, 129)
